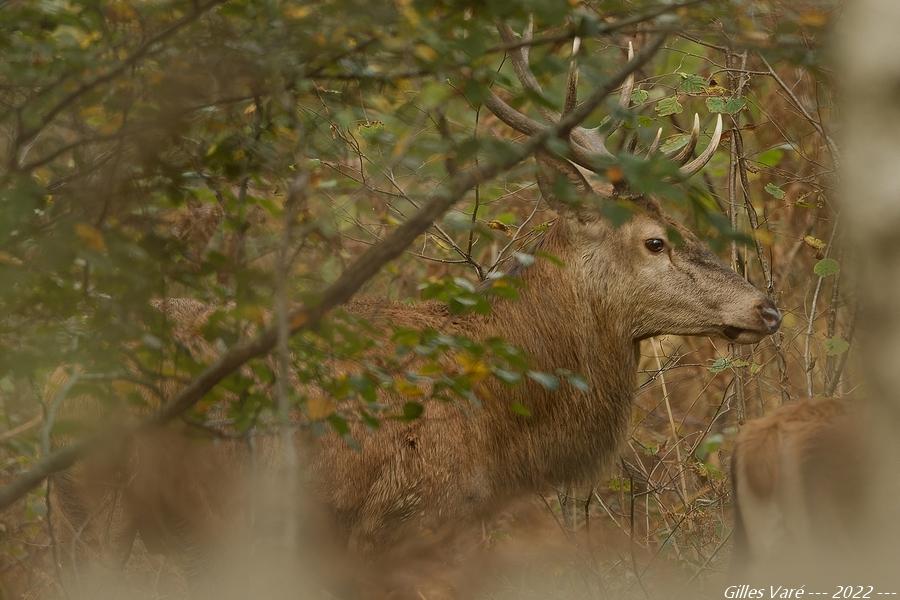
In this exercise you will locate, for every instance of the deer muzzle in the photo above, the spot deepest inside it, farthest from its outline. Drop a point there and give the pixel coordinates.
(767, 319)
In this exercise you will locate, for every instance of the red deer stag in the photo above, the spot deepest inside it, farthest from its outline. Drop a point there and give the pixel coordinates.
(619, 285)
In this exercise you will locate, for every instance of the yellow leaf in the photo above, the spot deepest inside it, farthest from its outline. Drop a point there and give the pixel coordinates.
(408, 389)
(814, 242)
(9, 260)
(716, 90)
(614, 174)
(426, 53)
(123, 388)
(299, 320)
(763, 237)
(319, 407)
(789, 322)
(297, 12)
(431, 368)
(495, 224)
(406, 8)
(472, 366)
(89, 39)
(120, 12)
(814, 18)
(90, 236)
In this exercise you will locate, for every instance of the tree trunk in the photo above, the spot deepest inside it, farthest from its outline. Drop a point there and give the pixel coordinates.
(869, 70)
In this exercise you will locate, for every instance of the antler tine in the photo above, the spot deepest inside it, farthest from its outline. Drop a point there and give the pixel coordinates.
(588, 142)
(655, 145)
(572, 82)
(700, 162)
(519, 59)
(527, 36)
(515, 119)
(625, 95)
(685, 153)
(581, 154)
(628, 86)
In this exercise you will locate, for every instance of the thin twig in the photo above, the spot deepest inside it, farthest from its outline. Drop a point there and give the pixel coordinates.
(657, 346)
(807, 357)
(832, 147)
(20, 429)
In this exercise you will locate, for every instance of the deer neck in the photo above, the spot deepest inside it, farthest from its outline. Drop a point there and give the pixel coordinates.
(562, 325)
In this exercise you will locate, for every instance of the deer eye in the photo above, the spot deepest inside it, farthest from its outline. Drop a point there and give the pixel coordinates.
(655, 245)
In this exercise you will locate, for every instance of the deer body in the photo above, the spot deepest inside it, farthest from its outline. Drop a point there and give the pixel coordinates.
(617, 286)
(587, 317)
(797, 482)
(459, 460)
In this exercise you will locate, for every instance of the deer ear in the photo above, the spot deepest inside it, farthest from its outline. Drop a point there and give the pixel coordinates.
(569, 189)
(560, 182)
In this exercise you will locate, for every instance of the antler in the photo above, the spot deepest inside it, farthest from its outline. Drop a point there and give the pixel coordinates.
(587, 145)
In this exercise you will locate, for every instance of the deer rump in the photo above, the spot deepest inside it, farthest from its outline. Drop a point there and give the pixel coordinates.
(797, 481)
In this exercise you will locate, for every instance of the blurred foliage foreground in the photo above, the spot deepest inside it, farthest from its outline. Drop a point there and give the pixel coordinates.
(240, 153)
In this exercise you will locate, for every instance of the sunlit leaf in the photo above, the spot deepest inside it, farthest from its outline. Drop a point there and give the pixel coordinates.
(836, 346)
(826, 267)
(774, 191)
(668, 106)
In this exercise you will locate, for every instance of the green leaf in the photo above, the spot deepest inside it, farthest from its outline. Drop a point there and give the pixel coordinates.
(668, 106)
(339, 424)
(617, 212)
(826, 267)
(836, 346)
(719, 365)
(674, 142)
(434, 94)
(716, 104)
(770, 157)
(735, 105)
(412, 411)
(774, 190)
(710, 444)
(728, 106)
(639, 96)
(520, 409)
(691, 84)
(545, 379)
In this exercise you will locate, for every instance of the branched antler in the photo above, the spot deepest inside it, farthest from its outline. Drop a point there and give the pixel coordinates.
(587, 146)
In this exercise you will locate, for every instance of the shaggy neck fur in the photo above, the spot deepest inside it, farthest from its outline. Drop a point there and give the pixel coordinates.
(563, 322)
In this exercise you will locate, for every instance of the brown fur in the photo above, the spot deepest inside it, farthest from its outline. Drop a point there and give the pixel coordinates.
(412, 480)
(796, 479)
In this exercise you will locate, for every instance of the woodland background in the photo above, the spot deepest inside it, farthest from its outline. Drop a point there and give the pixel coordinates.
(243, 154)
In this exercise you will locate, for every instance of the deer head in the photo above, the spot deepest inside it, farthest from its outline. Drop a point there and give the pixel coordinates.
(660, 278)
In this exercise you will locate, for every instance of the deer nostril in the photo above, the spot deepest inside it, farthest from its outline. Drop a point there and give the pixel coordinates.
(771, 316)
